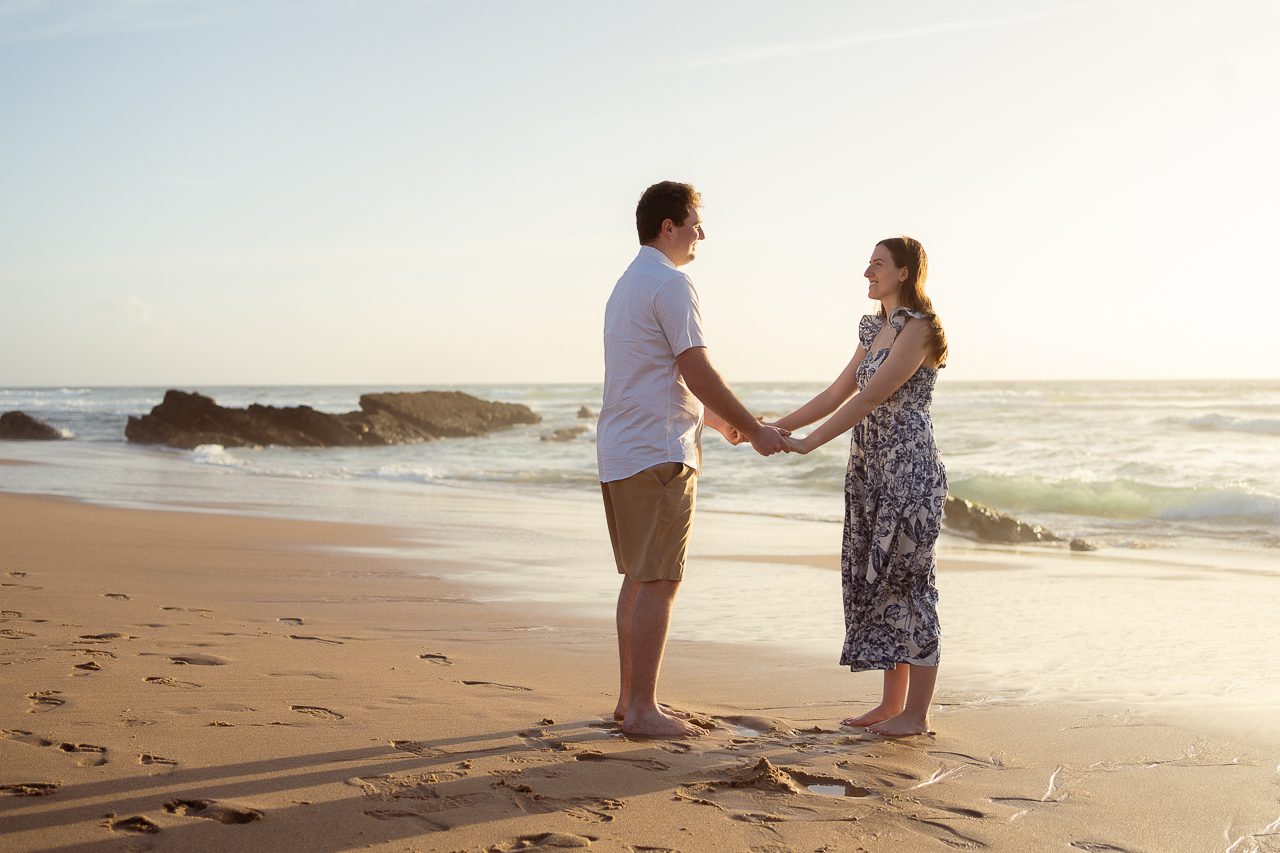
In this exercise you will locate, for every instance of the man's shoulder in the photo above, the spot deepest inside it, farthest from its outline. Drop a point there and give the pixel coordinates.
(652, 266)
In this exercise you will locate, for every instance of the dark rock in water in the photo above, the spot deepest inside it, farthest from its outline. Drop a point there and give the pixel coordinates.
(566, 434)
(984, 523)
(186, 420)
(585, 412)
(1082, 545)
(449, 413)
(22, 427)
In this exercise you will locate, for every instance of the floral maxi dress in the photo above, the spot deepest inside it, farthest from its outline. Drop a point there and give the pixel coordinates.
(895, 488)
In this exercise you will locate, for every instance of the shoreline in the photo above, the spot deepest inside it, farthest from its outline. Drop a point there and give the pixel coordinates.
(409, 708)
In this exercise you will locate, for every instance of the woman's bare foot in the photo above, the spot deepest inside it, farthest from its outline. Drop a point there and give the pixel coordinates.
(657, 724)
(903, 725)
(877, 714)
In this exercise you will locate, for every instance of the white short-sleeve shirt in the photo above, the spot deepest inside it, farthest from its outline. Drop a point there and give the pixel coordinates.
(649, 414)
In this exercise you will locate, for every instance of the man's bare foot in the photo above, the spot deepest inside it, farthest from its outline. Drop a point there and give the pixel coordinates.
(877, 714)
(903, 725)
(658, 724)
(620, 712)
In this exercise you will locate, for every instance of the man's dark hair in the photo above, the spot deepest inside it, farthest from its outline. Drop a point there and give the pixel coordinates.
(663, 201)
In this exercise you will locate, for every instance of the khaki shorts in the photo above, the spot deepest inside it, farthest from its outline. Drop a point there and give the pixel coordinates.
(650, 515)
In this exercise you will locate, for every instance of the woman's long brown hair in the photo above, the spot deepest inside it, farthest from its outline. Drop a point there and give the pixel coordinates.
(909, 253)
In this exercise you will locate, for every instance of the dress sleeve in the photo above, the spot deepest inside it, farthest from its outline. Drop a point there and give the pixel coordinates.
(867, 328)
(899, 317)
(676, 307)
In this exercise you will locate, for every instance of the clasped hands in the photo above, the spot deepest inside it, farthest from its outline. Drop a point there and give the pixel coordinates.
(766, 440)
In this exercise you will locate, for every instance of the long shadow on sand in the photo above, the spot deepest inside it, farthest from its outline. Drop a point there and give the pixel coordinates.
(402, 790)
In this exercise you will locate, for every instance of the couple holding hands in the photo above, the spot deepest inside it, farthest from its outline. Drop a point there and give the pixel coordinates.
(660, 388)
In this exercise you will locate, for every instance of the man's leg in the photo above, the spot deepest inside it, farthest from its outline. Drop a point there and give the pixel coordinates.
(626, 607)
(650, 619)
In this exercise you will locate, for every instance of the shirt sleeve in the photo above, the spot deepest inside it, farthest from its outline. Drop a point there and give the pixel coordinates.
(678, 313)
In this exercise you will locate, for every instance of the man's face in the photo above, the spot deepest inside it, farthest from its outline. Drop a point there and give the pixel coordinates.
(686, 237)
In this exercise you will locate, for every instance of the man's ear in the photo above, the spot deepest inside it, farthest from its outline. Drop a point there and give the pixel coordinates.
(668, 226)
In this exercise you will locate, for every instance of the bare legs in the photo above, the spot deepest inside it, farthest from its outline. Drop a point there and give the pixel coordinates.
(644, 614)
(904, 704)
(892, 700)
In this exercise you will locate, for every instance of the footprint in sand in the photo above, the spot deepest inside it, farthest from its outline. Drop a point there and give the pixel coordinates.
(89, 666)
(14, 634)
(31, 789)
(10, 614)
(316, 711)
(137, 823)
(315, 639)
(23, 736)
(198, 660)
(89, 755)
(21, 586)
(16, 574)
(171, 682)
(213, 810)
(290, 620)
(436, 658)
(103, 638)
(119, 596)
(495, 684)
(148, 758)
(45, 700)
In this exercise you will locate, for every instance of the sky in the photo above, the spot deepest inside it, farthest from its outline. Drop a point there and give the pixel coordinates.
(418, 193)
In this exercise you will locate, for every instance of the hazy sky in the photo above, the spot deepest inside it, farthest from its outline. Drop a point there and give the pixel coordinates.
(197, 193)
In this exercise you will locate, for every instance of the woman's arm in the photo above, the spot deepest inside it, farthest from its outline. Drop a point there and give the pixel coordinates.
(829, 400)
(909, 351)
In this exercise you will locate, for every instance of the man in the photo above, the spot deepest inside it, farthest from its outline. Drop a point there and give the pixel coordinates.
(657, 380)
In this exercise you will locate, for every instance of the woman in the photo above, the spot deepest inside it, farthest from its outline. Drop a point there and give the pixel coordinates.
(894, 488)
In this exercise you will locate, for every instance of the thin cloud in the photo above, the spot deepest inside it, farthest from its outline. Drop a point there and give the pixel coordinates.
(786, 51)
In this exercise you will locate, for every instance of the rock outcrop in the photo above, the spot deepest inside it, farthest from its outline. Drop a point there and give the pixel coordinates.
(23, 427)
(186, 420)
(585, 412)
(566, 434)
(981, 522)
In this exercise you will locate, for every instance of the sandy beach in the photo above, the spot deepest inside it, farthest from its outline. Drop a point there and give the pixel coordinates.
(195, 681)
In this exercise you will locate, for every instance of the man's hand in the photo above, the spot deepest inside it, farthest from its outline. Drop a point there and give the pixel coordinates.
(730, 434)
(769, 440)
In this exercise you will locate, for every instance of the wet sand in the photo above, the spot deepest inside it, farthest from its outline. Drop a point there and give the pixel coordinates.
(184, 681)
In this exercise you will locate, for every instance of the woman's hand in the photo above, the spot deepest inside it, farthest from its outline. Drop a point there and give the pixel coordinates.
(798, 445)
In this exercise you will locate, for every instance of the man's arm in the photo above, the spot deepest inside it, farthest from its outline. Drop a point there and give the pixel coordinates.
(720, 425)
(708, 386)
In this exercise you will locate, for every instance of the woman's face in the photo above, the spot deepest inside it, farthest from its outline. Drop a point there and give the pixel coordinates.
(884, 277)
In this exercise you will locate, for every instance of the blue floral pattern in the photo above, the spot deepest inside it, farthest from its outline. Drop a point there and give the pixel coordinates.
(895, 488)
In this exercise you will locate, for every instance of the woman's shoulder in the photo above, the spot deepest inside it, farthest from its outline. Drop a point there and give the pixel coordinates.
(901, 315)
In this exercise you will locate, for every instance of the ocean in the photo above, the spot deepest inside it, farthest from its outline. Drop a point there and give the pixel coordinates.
(1134, 465)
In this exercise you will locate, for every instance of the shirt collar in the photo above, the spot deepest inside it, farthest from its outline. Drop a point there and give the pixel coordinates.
(654, 254)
